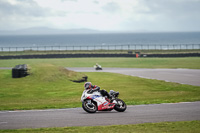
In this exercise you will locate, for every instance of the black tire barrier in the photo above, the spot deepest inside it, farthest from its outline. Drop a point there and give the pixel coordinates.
(19, 71)
(96, 55)
(171, 55)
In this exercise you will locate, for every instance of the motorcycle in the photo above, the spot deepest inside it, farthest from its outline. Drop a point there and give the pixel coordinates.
(92, 102)
(98, 67)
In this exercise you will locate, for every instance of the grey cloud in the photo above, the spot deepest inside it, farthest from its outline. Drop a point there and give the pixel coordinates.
(153, 15)
(111, 7)
(26, 13)
(24, 8)
(96, 1)
(173, 7)
(174, 15)
(69, 0)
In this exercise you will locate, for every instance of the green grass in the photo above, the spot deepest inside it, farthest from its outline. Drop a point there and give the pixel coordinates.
(164, 127)
(189, 62)
(49, 86)
(136, 90)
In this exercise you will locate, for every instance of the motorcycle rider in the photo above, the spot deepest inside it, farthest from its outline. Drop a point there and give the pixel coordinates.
(97, 65)
(92, 88)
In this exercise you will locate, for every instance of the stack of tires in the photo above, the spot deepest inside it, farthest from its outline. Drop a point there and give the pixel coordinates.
(19, 71)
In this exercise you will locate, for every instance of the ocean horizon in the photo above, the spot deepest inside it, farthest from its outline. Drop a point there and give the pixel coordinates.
(101, 40)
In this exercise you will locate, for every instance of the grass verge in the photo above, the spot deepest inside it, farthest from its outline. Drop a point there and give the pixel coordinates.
(189, 62)
(49, 86)
(172, 127)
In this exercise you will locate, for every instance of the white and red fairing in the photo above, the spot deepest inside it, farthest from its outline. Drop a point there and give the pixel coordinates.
(101, 101)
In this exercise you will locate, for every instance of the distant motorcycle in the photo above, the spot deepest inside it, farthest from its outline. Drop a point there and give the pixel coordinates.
(98, 67)
(92, 102)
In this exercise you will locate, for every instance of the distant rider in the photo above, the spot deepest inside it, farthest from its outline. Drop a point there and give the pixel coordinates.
(92, 88)
(97, 65)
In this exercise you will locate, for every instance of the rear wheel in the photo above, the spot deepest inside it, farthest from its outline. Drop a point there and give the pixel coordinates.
(89, 107)
(120, 106)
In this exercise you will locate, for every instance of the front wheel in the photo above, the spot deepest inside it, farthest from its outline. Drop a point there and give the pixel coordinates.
(120, 106)
(89, 107)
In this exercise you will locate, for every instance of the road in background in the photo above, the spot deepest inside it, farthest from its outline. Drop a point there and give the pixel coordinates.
(183, 76)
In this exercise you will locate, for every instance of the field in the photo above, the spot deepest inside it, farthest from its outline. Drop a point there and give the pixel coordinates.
(49, 85)
(190, 62)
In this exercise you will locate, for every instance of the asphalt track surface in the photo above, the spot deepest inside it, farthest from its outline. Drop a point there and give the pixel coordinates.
(78, 117)
(182, 76)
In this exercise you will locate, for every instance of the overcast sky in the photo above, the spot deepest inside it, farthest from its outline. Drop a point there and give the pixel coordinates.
(104, 15)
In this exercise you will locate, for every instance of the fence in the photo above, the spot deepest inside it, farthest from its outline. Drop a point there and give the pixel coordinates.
(103, 48)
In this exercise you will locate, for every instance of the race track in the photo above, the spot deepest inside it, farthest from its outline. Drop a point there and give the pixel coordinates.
(78, 117)
(182, 76)
(133, 114)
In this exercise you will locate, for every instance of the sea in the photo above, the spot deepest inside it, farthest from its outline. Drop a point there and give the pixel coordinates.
(110, 40)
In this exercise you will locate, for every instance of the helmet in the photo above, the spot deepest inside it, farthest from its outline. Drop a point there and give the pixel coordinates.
(87, 85)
